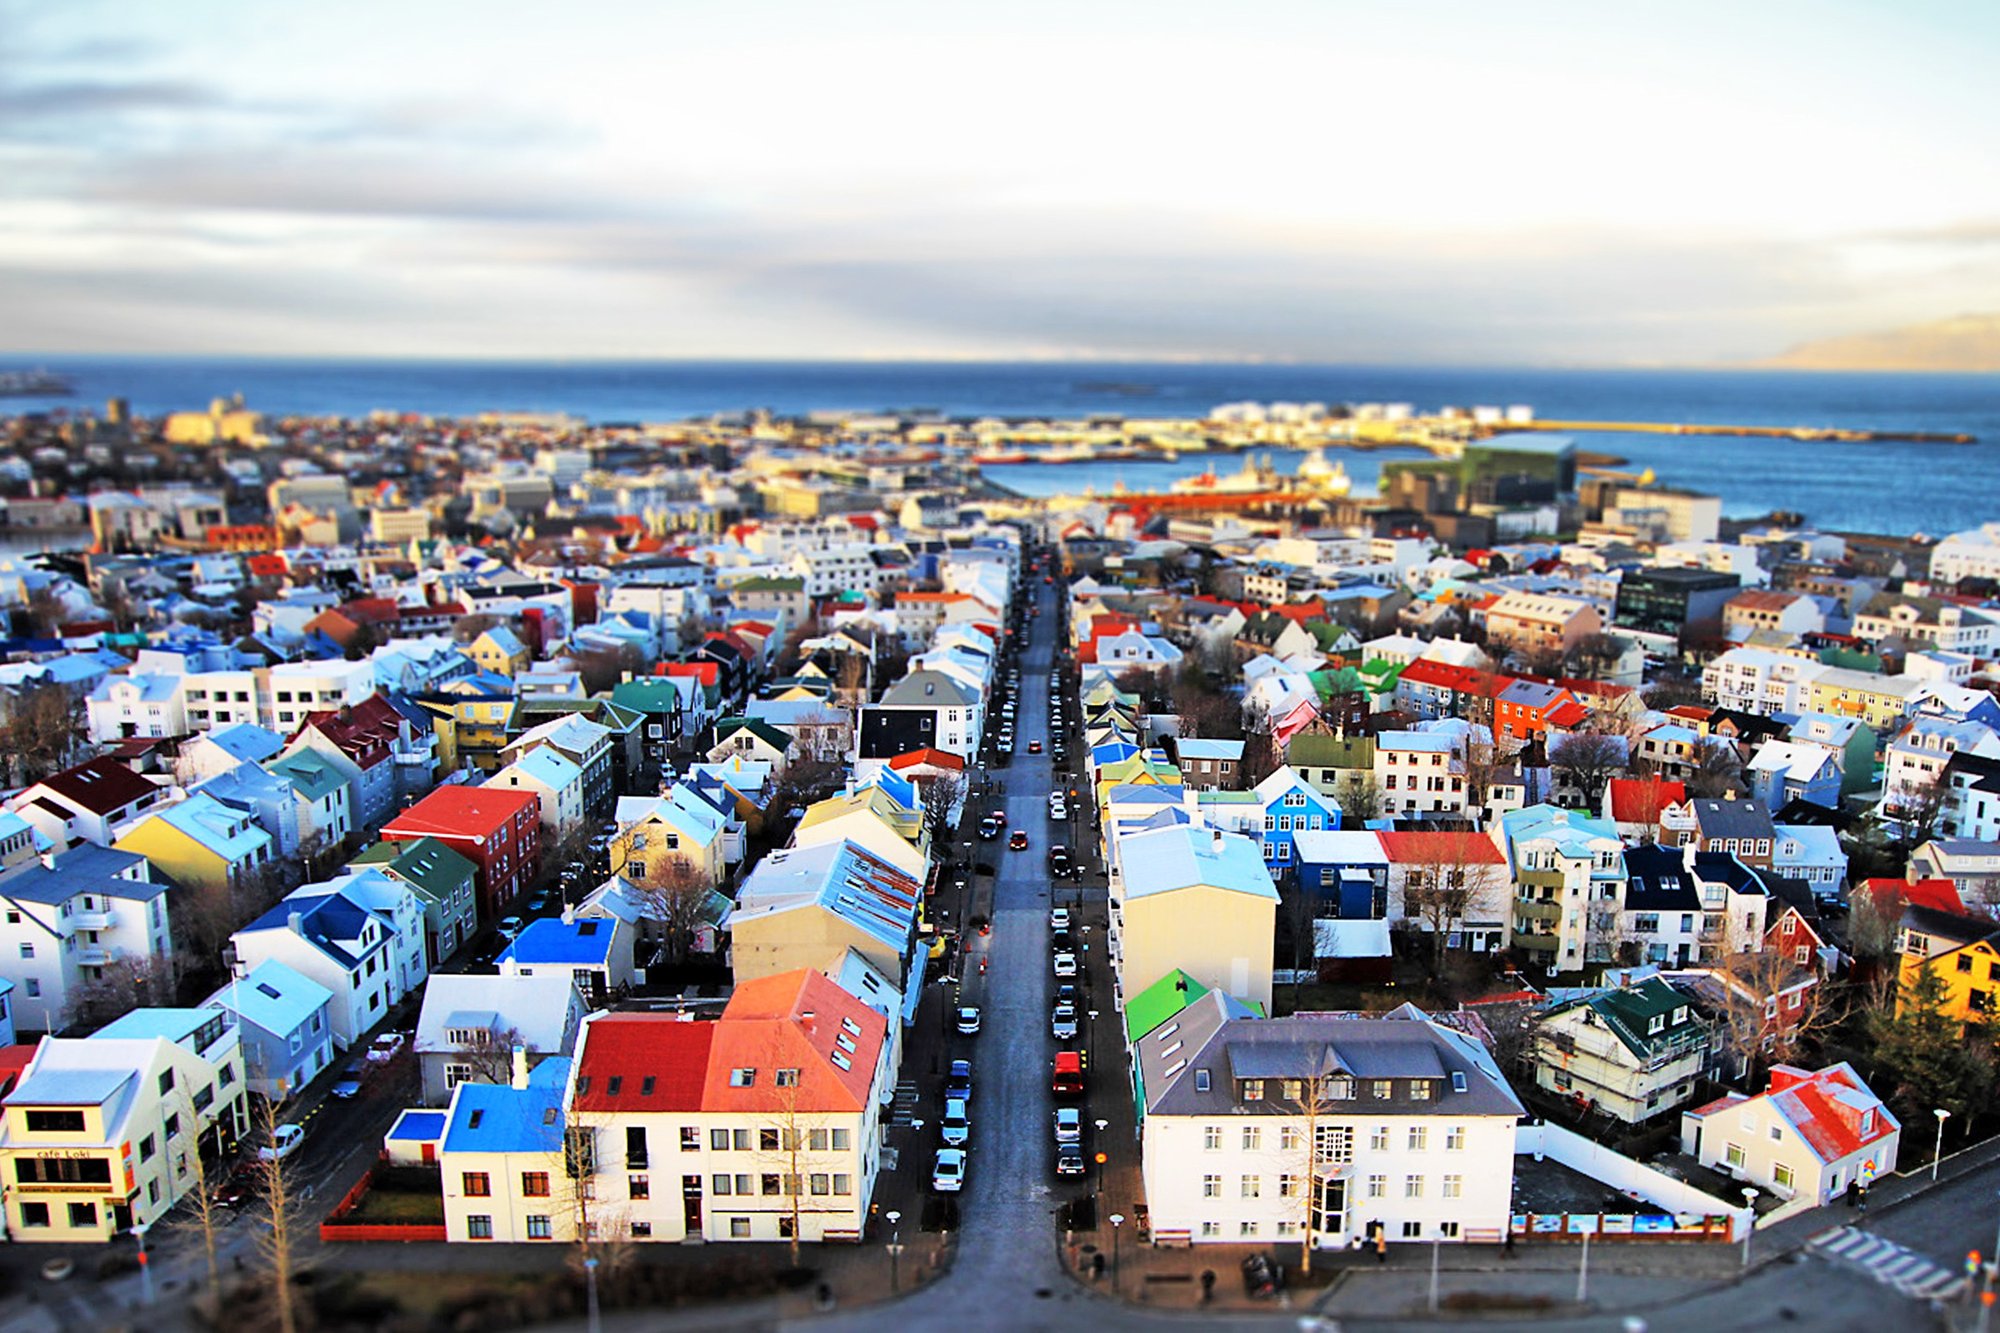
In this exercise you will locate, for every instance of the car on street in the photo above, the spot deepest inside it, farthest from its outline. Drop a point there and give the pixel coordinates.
(958, 1083)
(510, 926)
(1066, 993)
(1059, 862)
(1018, 841)
(385, 1048)
(948, 1175)
(1065, 964)
(1069, 1160)
(989, 828)
(956, 1125)
(1069, 1124)
(348, 1086)
(285, 1140)
(1034, 747)
(1058, 811)
(1058, 916)
(236, 1188)
(968, 1021)
(1062, 1024)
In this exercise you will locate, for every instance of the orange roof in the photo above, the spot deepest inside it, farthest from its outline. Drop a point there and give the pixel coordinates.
(797, 1020)
(1440, 846)
(1826, 1110)
(1940, 895)
(934, 758)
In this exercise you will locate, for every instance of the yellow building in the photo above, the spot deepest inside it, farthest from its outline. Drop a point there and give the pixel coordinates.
(1970, 974)
(200, 843)
(1880, 701)
(226, 420)
(501, 651)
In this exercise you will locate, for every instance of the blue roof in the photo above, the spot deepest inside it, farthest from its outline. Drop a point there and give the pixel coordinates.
(247, 741)
(173, 1024)
(420, 1126)
(572, 944)
(274, 997)
(85, 868)
(498, 1117)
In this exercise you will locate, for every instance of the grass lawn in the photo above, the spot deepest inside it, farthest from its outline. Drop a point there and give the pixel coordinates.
(391, 1206)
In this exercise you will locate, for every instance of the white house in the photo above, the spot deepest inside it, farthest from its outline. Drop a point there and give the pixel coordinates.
(67, 918)
(1807, 1135)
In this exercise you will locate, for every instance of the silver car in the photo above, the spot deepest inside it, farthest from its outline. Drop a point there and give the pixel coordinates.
(1063, 1023)
(1069, 1124)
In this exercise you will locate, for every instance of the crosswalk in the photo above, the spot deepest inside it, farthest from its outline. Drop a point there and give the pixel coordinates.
(1890, 1264)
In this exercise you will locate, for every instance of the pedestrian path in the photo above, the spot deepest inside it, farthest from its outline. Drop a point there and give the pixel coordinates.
(1889, 1263)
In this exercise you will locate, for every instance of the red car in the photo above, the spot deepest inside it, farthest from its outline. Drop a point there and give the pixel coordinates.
(1019, 841)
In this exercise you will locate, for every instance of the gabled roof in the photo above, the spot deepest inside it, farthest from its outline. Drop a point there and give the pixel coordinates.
(1170, 859)
(535, 1008)
(1159, 1002)
(500, 1118)
(1657, 880)
(101, 786)
(1640, 800)
(462, 812)
(273, 996)
(799, 1020)
(1440, 847)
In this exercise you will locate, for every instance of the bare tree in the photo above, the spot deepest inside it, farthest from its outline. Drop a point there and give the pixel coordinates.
(1770, 1008)
(1452, 872)
(941, 796)
(1594, 655)
(1262, 754)
(120, 986)
(1360, 797)
(602, 668)
(275, 1241)
(676, 898)
(1717, 772)
(42, 731)
(467, 629)
(1315, 1152)
(1912, 814)
(488, 1056)
(850, 687)
(201, 1218)
(1589, 760)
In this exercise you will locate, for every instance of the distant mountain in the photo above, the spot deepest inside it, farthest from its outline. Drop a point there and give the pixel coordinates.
(1966, 342)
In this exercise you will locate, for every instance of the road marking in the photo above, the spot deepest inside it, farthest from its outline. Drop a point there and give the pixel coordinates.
(1890, 1264)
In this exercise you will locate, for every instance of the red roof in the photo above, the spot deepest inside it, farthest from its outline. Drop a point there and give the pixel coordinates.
(927, 756)
(462, 812)
(655, 1062)
(1826, 1107)
(365, 732)
(100, 786)
(1447, 675)
(1440, 847)
(708, 673)
(1640, 800)
(1302, 612)
(1940, 895)
(1567, 713)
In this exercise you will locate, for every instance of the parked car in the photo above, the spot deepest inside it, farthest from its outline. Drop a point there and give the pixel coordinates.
(989, 828)
(236, 1187)
(1069, 1124)
(285, 1140)
(968, 1021)
(1065, 964)
(948, 1175)
(1018, 840)
(385, 1048)
(1066, 1078)
(510, 926)
(1066, 993)
(1058, 916)
(956, 1125)
(1062, 1024)
(1058, 811)
(348, 1086)
(1060, 941)
(1059, 862)
(1069, 1160)
(958, 1083)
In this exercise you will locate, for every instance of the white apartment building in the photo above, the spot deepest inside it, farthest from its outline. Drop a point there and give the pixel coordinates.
(1569, 876)
(1322, 1129)
(1974, 554)
(99, 1134)
(67, 917)
(211, 699)
(298, 688)
(1420, 771)
(1752, 680)
(122, 707)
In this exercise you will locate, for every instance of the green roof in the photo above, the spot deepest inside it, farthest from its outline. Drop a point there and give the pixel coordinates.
(647, 694)
(1318, 750)
(431, 868)
(309, 772)
(1160, 1002)
(1380, 676)
(1851, 659)
(1339, 680)
(763, 583)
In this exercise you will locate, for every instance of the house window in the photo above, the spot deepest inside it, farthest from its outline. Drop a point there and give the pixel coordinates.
(1251, 1187)
(1413, 1187)
(1211, 1187)
(479, 1226)
(639, 1187)
(1378, 1187)
(1290, 1138)
(535, 1184)
(1253, 1138)
(739, 1228)
(1420, 1138)
(476, 1185)
(1211, 1138)
(1454, 1187)
(1378, 1139)
(34, 1214)
(1781, 1176)
(538, 1227)
(1288, 1187)
(1733, 1155)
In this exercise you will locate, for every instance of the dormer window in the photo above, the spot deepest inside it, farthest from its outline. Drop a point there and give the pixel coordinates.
(1680, 1015)
(1656, 1024)
(742, 1078)
(1252, 1090)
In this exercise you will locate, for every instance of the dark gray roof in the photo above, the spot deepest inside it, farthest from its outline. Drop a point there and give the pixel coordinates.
(1721, 818)
(1657, 881)
(1724, 868)
(1405, 1046)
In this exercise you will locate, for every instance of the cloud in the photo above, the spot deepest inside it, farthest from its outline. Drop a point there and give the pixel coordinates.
(65, 98)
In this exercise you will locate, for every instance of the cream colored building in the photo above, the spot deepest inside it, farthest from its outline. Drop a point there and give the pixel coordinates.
(807, 906)
(1196, 899)
(1632, 1053)
(1808, 1135)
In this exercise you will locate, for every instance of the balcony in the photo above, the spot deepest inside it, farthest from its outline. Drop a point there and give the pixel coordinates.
(93, 955)
(93, 920)
(1544, 912)
(1536, 941)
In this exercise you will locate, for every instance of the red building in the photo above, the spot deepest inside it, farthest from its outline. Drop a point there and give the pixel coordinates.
(497, 828)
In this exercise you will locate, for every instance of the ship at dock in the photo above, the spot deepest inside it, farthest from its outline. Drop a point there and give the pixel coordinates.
(35, 384)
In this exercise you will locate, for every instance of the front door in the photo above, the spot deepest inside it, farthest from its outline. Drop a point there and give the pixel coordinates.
(121, 1217)
(1330, 1212)
(691, 1203)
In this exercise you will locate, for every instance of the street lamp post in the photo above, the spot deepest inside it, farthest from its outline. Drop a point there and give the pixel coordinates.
(145, 1269)
(1117, 1220)
(895, 1248)
(1100, 1144)
(590, 1285)
(1583, 1272)
(1750, 1222)
(1434, 1274)
(1938, 1156)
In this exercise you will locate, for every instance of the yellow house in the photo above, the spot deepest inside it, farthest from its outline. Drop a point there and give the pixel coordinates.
(812, 906)
(873, 819)
(499, 650)
(200, 843)
(1971, 977)
(1196, 899)
(1880, 701)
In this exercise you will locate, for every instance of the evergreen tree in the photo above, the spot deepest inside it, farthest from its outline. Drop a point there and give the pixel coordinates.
(1925, 1058)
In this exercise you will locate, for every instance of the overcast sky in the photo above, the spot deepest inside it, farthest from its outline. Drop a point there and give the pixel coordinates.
(1397, 182)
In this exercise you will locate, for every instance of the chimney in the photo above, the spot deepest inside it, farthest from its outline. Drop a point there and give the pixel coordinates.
(293, 920)
(49, 860)
(1215, 840)
(569, 914)
(519, 1079)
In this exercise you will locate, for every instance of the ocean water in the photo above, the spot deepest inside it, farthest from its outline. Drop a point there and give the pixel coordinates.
(1886, 486)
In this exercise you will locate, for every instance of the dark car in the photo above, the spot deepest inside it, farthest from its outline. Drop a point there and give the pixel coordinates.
(958, 1083)
(236, 1188)
(1261, 1278)
(1059, 861)
(1061, 941)
(349, 1084)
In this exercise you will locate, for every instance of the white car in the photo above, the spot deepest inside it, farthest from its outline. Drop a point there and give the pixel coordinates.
(1058, 918)
(1069, 1124)
(1065, 964)
(948, 1176)
(285, 1140)
(1058, 811)
(384, 1048)
(956, 1126)
(1062, 1026)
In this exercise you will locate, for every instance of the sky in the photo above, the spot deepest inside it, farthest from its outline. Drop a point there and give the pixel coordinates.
(1445, 183)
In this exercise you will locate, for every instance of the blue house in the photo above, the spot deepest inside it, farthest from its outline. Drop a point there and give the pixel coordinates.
(595, 951)
(286, 1022)
(1345, 871)
(1273, 811)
